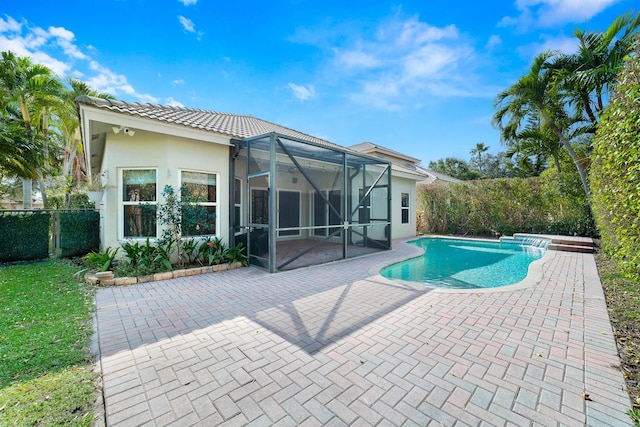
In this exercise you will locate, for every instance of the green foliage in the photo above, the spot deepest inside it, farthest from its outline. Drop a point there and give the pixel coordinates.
(615, 172)
(70, 201)
(101, 260)
(212, 251)
(146, 258)
(24, 236)
(45, 373)
(181, 217)
(235, 254)
(189, 250)
(498, 207)
(79, 232)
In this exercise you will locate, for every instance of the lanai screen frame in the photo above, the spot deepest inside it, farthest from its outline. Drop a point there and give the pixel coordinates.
(272, 157)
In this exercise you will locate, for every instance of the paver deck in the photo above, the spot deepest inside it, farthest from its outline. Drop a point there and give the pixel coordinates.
(337, 344)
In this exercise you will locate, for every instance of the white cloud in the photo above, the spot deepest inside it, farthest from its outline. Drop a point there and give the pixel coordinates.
(56, 48)
(115, 84)
(302, 92)
(178, 82)
(188, 2)
(567, 45)
(547, 13)
(493, 41)
(357, 59)
(401, 62)
(65, 39)
(172, 102)
(187, 24)
(10, 25)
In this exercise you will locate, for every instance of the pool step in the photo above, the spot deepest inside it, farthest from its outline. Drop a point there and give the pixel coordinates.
(563, 243)
(570, 248)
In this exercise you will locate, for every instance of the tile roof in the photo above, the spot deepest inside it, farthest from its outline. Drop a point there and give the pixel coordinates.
(234, 125)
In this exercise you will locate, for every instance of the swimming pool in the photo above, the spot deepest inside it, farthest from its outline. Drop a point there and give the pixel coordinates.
(466, 264)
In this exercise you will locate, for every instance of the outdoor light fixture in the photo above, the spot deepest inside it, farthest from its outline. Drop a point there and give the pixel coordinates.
(128, 131)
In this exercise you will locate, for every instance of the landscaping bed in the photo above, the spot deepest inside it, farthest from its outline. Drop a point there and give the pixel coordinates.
(623, 304)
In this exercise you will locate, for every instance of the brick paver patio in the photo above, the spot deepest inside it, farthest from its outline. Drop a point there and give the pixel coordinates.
(339, 345)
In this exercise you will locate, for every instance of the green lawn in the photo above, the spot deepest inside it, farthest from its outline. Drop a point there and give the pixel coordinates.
(46, 373)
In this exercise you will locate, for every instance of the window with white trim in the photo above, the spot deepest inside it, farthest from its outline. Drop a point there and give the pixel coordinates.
(405, 208)
(138, 202)
(200, 189)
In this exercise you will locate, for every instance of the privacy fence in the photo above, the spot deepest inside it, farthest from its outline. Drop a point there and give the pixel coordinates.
(38, 234)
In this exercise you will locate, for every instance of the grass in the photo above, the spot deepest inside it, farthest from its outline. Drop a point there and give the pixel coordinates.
(623, 303)
(46, 373)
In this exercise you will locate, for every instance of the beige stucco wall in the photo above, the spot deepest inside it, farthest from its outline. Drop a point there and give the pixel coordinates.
(168, 155)
(401, 185)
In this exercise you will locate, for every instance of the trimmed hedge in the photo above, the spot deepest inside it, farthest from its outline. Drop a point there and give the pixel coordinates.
(24, 236)
(615, 171)
(503, 206)
(79, 233)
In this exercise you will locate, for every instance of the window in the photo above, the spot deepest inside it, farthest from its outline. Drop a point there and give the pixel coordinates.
(139, 195)
(237, 205)
(200, 192)
(405, 208)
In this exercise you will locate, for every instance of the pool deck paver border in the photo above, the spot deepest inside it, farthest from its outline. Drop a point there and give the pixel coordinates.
(337, 344)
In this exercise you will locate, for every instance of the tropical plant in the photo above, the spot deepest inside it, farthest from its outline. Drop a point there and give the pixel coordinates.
(34, 90)
(588, 76)
(147, 258)
(454, 167)
(534, 97)
(212, 251)
(73, 163)
(235, 254)
(476, 156)
(102, 260)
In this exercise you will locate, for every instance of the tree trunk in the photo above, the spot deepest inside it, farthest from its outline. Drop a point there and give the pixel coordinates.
(556, 160)
(572, 153)
(27, 194)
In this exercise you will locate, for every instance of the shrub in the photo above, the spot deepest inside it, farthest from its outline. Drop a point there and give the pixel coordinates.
(102, 261)
(142, 259)
(79, 232)
(615, 172)
(503, 206)
(24, 236)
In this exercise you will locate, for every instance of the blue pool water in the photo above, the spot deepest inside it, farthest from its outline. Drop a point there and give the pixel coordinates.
(466, 264)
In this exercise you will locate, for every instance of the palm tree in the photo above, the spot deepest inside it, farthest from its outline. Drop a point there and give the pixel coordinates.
(73, 158)
(476, 156)
(588, 76)
(31, 88)
(535, 97)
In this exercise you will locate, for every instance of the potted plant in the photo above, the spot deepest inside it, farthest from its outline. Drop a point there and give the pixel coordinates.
(95, 188)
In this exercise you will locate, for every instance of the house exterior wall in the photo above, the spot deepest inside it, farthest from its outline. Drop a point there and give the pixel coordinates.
(401, 185)
(168, 155)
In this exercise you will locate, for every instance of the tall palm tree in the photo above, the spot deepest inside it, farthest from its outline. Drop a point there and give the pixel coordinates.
(29, 87)
(476, 157)
(535, 140)
(535, 97)
(73, 158)
(588, 76)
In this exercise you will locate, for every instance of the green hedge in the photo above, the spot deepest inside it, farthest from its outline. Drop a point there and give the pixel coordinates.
(615, 171)
(24, 236)
(503, 206)
(79, 233)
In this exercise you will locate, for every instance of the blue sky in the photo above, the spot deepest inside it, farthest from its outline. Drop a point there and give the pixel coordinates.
(418, 76)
